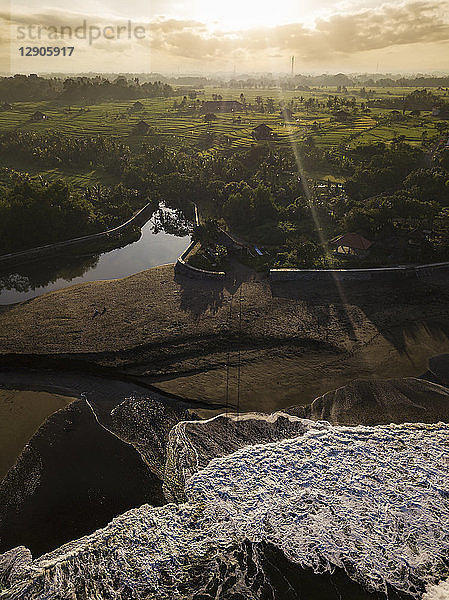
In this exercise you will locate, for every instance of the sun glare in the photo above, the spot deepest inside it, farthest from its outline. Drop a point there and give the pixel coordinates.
(235, 15)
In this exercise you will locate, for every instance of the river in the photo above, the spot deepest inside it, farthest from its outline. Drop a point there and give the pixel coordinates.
(162, 240)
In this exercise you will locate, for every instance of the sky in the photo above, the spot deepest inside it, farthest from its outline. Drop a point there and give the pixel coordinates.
(231, 35)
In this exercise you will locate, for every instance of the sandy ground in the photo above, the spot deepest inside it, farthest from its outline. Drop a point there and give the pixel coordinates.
(246, 342)
(21, 414)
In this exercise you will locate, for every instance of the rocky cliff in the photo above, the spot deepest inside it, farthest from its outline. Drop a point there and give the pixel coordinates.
(370, 501)
(269, 507)
(376, 402)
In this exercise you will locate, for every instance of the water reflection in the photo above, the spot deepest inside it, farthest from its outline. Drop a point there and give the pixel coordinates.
(173, 222)
(162, 240)
(33, 276)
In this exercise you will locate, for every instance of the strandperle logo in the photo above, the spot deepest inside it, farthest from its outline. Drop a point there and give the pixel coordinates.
(84, 31)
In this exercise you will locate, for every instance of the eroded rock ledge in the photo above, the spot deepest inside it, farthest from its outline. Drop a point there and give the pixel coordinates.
(256, 491)
(371, 501)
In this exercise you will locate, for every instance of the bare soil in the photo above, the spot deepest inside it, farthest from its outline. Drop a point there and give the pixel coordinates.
(247, 343)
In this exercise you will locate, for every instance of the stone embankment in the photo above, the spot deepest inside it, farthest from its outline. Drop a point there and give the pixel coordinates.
(182, 267)
(383, 273)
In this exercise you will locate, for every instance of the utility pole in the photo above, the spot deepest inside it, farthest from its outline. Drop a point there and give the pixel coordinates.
(293, 64)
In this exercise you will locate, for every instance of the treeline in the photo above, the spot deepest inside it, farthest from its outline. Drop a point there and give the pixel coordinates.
(396, 200)
(21, 88)
(416, 100)
(53, 150)
(341, 79)
(389, 195)
(35, 212)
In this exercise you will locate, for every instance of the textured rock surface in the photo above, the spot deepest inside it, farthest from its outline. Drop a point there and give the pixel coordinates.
(145, 423)
(13, 564)
(373, 402)
(193, 444)
(372, 501)
(438, 592)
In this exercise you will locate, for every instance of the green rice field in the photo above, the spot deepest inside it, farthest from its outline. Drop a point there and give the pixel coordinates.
(182, 128)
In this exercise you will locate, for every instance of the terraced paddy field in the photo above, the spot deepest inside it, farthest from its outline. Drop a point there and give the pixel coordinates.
(115, 118)
(169, 126)
(179, 127)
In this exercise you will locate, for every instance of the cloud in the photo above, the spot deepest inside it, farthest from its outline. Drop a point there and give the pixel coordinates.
(337, 36)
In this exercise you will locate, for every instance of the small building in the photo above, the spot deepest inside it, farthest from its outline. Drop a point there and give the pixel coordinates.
(141, 128)
(221, 106)
(262, 132)
(351, 244)
(342, 116)
(38, 116)
(136, 107)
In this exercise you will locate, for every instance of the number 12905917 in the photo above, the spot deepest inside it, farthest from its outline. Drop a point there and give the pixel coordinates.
(46, 50)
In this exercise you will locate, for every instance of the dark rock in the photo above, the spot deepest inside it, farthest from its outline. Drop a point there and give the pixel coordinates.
(71, 478)
(380, 402)
(193, 444)
(439, 366)
(145, 423)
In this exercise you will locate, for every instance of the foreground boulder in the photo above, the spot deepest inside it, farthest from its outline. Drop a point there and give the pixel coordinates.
(377, 402)
(368, 501)
(145, 423)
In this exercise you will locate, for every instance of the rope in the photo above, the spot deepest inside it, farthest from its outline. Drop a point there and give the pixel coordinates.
(228, 366)
(240, 346)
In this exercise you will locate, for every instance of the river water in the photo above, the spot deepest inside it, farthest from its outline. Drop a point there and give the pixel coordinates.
(162, 240)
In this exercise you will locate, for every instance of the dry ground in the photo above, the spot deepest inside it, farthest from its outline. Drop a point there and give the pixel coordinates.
(289, 342)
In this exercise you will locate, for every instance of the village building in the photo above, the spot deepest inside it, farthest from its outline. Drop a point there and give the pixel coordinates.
(262, 132)
(142, 128)
(38, 116)
(342, 116)
(136, 107)
(351, 244)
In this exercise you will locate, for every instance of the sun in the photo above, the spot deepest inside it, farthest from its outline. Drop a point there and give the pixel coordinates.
(236, 15)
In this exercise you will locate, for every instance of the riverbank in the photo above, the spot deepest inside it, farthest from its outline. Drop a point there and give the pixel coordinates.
(245, 342)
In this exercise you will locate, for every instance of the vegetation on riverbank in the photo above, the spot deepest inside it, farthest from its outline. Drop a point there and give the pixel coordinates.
(320, 174)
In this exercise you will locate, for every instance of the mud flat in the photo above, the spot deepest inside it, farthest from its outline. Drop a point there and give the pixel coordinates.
(248, 342)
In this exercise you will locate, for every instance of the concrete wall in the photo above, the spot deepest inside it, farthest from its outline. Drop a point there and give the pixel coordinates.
(17, 258)
(183, 268)
(383, 273)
